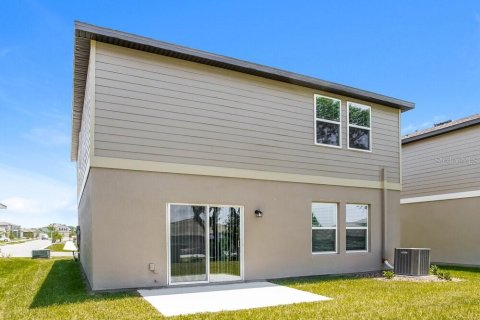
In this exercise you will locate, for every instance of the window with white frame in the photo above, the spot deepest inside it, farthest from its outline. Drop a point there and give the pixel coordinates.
(357, 227)
(327, 121)
(324, 227)
(359, 126)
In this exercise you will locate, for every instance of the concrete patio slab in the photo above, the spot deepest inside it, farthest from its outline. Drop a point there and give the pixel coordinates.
(224, 297)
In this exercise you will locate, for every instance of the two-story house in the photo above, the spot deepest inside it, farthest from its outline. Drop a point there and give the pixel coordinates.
(6, 228)
(195, 167)
(63, 229)
(440, 201)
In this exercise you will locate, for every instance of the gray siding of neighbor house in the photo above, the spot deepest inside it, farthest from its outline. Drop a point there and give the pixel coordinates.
(447, 163)
(152, 107)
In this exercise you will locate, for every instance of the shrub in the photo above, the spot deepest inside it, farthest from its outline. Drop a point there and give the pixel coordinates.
(445, 275)
(434, 269)
(388, 274)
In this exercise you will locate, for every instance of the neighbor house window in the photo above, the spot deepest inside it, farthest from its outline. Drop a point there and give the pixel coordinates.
(324, 227)
(357, 227)
(327, 121)
(359, 126)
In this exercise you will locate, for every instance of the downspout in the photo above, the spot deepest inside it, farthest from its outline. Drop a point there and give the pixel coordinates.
(384, 220)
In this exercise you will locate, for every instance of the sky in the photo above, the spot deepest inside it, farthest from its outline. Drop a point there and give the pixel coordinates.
(427, 52)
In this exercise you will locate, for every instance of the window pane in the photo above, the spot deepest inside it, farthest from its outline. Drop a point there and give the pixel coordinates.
(328, 133)
(187, 243)
(324, 215)
(357, 215)
(224, 237)
(328, 109)
(356, 239)
(359, 115)
(358, 138)
(323, 240)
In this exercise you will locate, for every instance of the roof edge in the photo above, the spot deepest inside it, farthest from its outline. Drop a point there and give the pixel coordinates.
(205, 57)
(441, 131)
(86, 32)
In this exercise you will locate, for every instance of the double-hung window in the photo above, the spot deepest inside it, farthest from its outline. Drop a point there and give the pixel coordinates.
(324, 227)
(359, 126)
(357, 227)
(327, 121)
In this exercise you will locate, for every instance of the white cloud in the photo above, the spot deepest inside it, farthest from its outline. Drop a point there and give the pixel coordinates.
(48, 137)
(35, 200)
(411, 127)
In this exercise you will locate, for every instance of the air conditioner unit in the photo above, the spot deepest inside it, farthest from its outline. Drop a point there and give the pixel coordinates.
(412, 261)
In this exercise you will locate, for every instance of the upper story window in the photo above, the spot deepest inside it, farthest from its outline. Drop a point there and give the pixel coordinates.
(328, 126)
(359, 126)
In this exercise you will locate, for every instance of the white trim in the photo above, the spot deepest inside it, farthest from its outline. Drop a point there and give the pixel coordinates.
(440, 197)
(207, 242)
(324, 228)
(367, 228)
(154, 166)
(328, 121)
(400, 164)
(370, 135)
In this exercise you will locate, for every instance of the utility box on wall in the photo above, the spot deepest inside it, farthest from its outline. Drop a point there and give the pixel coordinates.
(412, 261)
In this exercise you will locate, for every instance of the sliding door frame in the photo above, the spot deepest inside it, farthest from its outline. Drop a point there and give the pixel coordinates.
(207, 242)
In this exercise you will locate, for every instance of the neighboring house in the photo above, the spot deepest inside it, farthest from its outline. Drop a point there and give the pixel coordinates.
(195, 167)
(64, 230)
(440, 205)
(7, 227)
(29, 232)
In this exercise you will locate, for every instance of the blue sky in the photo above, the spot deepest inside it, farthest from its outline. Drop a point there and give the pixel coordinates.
(427, 52)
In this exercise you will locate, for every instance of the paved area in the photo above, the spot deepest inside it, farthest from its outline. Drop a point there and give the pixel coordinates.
(180, 301)
(25, 249)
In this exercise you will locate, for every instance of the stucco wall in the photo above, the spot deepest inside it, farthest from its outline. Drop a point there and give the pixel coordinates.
(130, 225)
(86, 231)
(450, 228)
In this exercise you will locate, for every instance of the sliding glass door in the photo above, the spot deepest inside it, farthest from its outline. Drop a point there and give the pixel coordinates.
(188, 244)
(204, 243)
(224, 235)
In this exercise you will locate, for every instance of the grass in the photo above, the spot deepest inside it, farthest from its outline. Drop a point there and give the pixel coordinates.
(57, 247)
(53, 289)
(229, 267)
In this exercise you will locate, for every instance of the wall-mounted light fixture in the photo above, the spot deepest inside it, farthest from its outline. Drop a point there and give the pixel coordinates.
(258, 213)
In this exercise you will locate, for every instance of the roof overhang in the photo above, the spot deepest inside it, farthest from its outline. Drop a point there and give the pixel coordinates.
(440, 131)
(85, 32)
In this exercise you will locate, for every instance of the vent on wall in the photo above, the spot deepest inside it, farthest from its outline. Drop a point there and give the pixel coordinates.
(412, 261)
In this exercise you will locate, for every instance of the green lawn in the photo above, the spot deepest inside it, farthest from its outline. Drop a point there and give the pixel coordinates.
(53, 289)
(57, 247)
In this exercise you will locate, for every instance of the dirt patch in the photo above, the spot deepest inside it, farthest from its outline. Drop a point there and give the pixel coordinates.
(429, 278)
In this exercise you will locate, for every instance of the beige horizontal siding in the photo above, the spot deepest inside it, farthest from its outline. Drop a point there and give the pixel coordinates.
(446, 163)
(83, 158)
(150, 107)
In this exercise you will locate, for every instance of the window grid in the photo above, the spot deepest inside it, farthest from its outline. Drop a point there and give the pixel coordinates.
(326, 228)
(339, 122)
(359, 228)
(354, 104)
